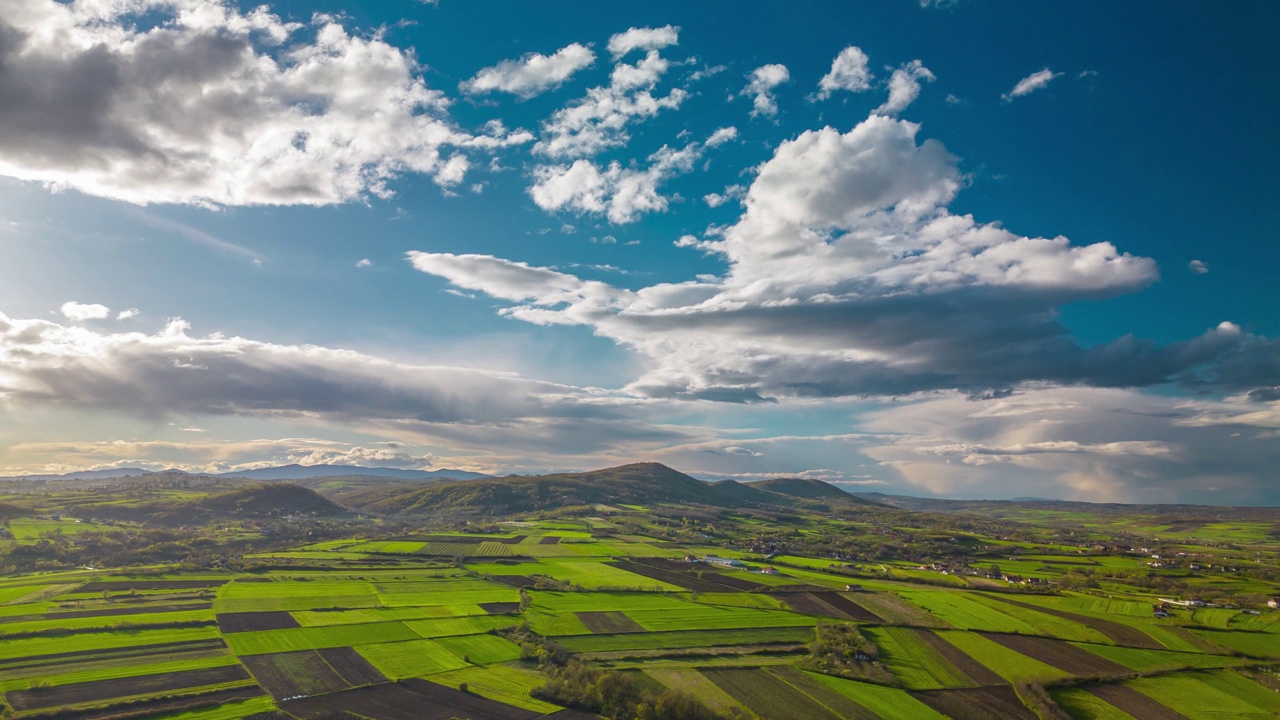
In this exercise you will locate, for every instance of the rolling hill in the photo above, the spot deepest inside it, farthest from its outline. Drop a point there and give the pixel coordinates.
(254, 502)
(640, 483)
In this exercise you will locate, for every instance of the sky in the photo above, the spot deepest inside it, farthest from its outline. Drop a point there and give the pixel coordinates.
(911, 246)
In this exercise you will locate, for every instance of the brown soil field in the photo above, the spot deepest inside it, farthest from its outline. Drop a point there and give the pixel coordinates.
(686, 580)
(733, 581)
(517, 581)
(213, 645)
(549, 540)
(500, 608)
(1060, 654)
(963, 661)
(291, 674)
(1119, 633)
(1133, 702)
(351, 667)
(136, 610)
(254, 621)
(977, 703)
(99, 690)
(609, 622)
(126, 585)
(148, 708)
(466, 539)
(405, 700)
(850, 607)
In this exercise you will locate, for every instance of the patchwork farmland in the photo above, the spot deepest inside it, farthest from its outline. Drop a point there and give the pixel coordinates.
(539, 617)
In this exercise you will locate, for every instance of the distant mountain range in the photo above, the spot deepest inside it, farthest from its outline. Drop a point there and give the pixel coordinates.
(281, 472)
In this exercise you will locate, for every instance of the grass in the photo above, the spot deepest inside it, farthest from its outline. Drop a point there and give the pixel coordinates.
(684, 639)
(1082, 704)
(915, 664)
(412, 658)
(1147, 660)
(1219, 693)
(24, 647)
(114, 672)
(314, 638)
(689, 680)
(962, 611)
(1265, 645)
(882, 701)
(1008, 664)
(445, 627)
(227, 711)
(499, 682)
(481, 649)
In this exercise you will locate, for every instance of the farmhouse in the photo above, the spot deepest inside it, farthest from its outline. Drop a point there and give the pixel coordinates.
(717, 560)
(1273, 603)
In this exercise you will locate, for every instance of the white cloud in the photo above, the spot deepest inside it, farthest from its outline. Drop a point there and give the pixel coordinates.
(722, 136)
(733, 192)
(904, 87)
(760, 86)
(646, 38)
(848, 72)
(848, 276)
(598, 121)
(79, 312)
(452, 172)
(128, 314)
(532, 74)
(197, 102)
(1031, 83)
(1198, 267)
(364, 263)
(620, 193)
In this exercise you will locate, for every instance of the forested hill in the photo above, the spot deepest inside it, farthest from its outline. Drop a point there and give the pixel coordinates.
(638, 483)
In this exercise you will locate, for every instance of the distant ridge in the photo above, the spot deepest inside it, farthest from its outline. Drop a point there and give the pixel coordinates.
(307, 472)
(637, 483)
(280, 472)
(254, 502)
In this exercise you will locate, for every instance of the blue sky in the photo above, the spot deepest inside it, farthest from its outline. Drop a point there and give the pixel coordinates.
(940, 249)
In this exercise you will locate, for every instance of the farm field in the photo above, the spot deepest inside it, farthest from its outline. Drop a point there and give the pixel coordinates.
(555, 611)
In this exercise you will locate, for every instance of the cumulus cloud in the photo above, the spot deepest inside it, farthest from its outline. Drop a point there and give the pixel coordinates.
(1198, 267)
(848, 276)
(598, 121)
(848, 72)
(620, 193)
(197, 102)
(533, 74)
(647, 38)
(79, 312)
(128, 314)
(760, 86)
(1031, 83)
(364, 263)
(904, 87)
(732, 192)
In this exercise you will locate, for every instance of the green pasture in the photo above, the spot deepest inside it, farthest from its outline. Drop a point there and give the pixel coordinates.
(1212, 693)
(314, 638)
(917, 665)
(499, 682)
(1010, 665)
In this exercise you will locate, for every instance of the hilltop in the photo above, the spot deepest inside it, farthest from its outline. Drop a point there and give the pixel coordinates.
(253, 502)
(638, 483)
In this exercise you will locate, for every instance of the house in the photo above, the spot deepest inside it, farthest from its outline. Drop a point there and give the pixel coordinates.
(1273, 603)
(769, 570)
(726, 562)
